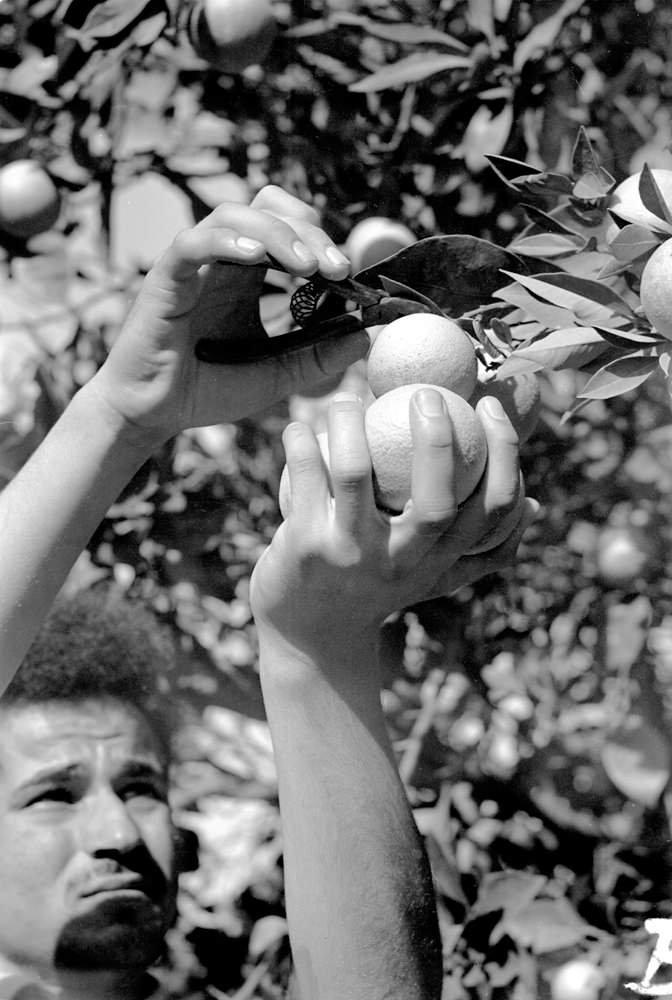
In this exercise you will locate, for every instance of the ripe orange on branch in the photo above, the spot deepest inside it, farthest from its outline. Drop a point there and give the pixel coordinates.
(422, 347)
(655, 290)
(29, 199)
(232, 34)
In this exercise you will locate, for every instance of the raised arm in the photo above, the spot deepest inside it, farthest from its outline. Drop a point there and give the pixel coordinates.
(150, 387)
(359, 896)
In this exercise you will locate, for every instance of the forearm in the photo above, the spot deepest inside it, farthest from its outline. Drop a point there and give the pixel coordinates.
(49, 511)
(360, 901)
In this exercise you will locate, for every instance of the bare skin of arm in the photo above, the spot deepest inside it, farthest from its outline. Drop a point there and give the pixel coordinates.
(150, 387)
(360, 901)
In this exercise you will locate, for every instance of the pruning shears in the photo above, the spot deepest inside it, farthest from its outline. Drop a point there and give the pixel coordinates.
(374, 306)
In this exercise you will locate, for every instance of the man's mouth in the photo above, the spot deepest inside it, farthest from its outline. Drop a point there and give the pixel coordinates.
(118, 884)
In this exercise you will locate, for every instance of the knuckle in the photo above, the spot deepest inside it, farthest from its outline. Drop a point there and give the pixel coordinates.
(434, 517)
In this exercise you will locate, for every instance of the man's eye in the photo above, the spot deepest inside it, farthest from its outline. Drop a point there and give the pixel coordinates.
(49, 795)
(143, 789)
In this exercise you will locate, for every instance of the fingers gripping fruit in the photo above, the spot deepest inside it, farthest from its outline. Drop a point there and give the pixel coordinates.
(520, 396)
(655, 290)
(501, 531)
(388, 433)
(285, 490)
(422, 348)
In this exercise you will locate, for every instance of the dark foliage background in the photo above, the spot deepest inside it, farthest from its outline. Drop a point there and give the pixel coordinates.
(530, 712)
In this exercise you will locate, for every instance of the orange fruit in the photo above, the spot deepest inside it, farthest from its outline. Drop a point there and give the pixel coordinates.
(375, 238)
(422, 348)
(388, 433)
(627, 204)
(655, 289)
(29, 199)
(232, 34)
(624, 555)
(579, 979)
(520, 396)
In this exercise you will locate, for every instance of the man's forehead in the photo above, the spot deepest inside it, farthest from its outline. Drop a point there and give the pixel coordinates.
(44, 729)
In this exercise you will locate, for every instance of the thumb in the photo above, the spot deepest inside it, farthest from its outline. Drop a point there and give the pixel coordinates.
(307, 365)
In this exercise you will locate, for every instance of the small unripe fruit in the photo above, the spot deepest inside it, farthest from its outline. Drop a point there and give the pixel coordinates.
(375, 238)
(655, 290)
(388, 433)
(422, 348)
(520, 396)
(232, 34)
(29, 199)
(579, 979)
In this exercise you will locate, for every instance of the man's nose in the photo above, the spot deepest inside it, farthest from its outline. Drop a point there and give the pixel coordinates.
(108, 825)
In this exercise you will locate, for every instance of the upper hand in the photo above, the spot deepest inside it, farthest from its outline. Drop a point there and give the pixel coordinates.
(338, 566)
(152, 380)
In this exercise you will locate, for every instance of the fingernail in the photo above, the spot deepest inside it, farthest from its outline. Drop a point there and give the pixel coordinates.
(334, 255)
(305, 255)
(430, 403)
(346, 397)
(247, 244)
(494, 408)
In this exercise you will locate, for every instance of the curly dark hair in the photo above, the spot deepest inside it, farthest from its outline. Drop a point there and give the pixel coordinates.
(100, 643)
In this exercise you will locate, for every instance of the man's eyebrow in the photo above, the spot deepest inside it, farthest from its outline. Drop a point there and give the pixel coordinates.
(52, 774)
(143, 768)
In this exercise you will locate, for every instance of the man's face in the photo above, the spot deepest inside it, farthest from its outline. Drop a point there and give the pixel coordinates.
(86, 839)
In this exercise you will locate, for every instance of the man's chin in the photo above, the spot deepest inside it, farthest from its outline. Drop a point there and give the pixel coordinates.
(116, 931)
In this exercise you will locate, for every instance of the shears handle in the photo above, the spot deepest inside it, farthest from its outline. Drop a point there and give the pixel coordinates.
(241, 352)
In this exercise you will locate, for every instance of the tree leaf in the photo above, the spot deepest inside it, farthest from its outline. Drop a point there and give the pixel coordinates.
(548, 245)
(405, 33)
(571, 347)
(594, 291)
(393, 287)
(508, 891)
(546, 925)
(589, 301)
(547, 222)
(543, 35)
(636, 758)
(651, 195)
(619, 376)
(511, 170)
(458, 273)
(633, 241)
(584, 157)
(485, 131)
(480, 16)
(592, 185)
(111, 17)
(622, 214)
(411, 69)
(546, 314)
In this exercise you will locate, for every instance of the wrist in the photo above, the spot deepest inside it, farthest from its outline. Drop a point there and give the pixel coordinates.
(136, 442)
(348, 660)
